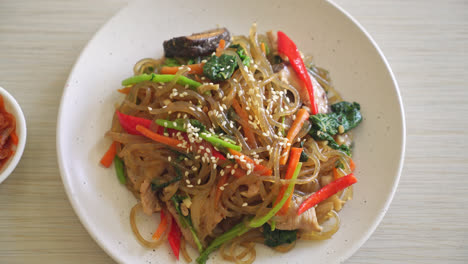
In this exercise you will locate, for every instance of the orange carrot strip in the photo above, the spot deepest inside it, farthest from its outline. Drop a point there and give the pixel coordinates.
(108, 157)
(244, 116)
(293, 161)
(158, 138)
(125, 90)
(301, 116)
(161, 227)
(336, 174)
(352, 165)
(262, 45)
(259, 168)
(222, 44)
(194, 69)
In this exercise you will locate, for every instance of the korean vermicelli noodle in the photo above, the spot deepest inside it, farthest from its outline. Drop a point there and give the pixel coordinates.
(227, 140)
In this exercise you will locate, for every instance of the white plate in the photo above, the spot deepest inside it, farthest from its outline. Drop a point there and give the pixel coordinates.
(358, 69)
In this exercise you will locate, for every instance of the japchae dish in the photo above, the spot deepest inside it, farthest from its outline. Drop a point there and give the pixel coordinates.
(234, 141)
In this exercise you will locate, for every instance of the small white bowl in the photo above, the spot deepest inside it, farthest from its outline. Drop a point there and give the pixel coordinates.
(12, 106)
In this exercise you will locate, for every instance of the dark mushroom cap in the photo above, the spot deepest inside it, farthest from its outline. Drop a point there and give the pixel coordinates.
(197, 44)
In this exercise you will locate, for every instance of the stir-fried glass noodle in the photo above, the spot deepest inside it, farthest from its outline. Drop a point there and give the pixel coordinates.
(234, 145)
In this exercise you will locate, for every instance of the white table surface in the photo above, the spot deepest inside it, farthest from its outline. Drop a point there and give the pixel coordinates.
(425, 42)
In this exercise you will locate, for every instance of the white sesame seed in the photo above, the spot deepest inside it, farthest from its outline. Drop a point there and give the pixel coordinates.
(169, 158)
(233, 171)
(221, 188)
(244, 204)
(186, 173)
(187, 181)
(199, 181)
(190, 186)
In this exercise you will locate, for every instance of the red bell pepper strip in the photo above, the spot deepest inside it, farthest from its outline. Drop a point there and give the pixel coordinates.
(293, 161)
(129, 123)
(174, 238)
(327, 191)
(287, 47)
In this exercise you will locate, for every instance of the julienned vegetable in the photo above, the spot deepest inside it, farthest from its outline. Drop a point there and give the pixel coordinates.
(327, 191)
(186, 221)
(120, 169)
(242, 160)
(287, 47)
(172, 142)
(260, 221)
(215, 140)
(129, 122)
(108, 157)
(174, 238)
(242, 227)
(161, 227)
(276, 237)
(245, 117)
(293, 161)
(301, 116)
(160, 78)
(344, 117)
(194, 69)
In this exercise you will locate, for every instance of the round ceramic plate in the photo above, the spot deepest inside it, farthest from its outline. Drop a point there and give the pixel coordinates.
(358, 70)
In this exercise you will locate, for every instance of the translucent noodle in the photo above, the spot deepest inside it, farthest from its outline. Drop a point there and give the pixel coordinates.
(144, 242)
(213, 189)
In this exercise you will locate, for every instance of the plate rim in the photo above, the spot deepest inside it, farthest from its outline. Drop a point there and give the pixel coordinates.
(349, 251)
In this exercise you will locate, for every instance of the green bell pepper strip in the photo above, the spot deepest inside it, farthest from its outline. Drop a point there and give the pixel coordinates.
(218, 142)
(119, 169)
(161, 78)
(215, 140)
(234, 232)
